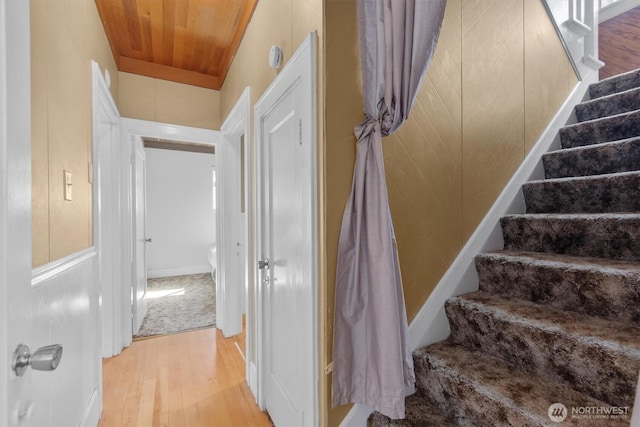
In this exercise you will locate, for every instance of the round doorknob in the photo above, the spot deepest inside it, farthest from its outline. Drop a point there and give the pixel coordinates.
(43, 359)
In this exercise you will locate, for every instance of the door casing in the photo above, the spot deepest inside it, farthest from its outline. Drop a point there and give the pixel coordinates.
(108, 212)
(236, 125)
(132, 130)
(139, 233)
(300, 68)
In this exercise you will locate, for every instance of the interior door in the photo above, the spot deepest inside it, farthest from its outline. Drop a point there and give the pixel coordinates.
(285, 122)
(15, 206)
(230, 280)
(141, 240)
(54, 304)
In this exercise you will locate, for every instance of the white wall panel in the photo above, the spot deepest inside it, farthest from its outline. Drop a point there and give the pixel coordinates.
(180, 215)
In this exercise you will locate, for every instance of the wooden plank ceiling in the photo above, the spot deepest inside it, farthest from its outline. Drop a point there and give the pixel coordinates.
(185, 41)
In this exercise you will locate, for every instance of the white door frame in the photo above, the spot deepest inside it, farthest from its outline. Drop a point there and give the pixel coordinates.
(132, 129)
(112, 252)
(235, 125)
(15, 193)
(138, 302)
(301, 67)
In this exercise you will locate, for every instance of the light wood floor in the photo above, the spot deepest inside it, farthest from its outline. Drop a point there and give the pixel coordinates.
(195, 379)
(619, 44)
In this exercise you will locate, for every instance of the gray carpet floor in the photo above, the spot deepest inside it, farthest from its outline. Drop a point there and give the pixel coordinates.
(179, 304)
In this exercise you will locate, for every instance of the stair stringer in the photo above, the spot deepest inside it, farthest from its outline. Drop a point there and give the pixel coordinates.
(431, 324)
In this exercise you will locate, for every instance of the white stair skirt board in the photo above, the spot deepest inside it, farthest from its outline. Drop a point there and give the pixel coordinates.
(431, 324)
(180, 271)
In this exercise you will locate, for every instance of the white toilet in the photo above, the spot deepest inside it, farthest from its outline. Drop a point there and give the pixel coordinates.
(213, 260)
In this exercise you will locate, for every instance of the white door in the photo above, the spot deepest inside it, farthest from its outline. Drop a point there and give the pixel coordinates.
(15, 211)
(230, 279)
(105, 208)
(59, 304)
(140, 219)
(232, 221)
(287, 234)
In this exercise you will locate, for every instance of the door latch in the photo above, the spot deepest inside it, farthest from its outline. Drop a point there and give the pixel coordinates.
(263, 263)
(43, 359)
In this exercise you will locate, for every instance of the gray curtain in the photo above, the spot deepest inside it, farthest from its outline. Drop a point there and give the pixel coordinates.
(371, 351)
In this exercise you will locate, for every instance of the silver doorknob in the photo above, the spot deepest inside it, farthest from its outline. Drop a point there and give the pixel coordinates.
(43, 359)
(263, 263)
(148, 240)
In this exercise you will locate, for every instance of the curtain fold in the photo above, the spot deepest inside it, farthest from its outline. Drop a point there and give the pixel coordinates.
(371, 351)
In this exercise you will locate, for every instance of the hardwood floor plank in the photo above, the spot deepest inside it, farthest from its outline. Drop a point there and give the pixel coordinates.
(147, 398)
(619, 43)
(195, 379)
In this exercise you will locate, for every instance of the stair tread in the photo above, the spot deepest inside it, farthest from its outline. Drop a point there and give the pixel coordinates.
(600, 120)
(592, 146)
(586, 178)
(418, 412)
(615, 103)
(595, 159)
(568, 261)
(610, 96)
(504, 383)
(576, 216)
(615, 84)
(614, 335)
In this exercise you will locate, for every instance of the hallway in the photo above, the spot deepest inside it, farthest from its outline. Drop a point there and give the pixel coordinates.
(191, 379)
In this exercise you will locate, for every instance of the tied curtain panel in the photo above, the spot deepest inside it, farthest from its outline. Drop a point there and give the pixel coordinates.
(371, 353)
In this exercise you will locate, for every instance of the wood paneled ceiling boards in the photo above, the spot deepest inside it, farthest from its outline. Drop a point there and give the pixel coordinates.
(185, 41)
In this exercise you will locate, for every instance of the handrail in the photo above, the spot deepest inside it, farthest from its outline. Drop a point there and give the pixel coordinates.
(576, 22)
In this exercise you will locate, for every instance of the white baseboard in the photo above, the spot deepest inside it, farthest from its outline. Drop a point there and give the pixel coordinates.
(431, 324)
(357, 416)
(91, 416)
(180, 271)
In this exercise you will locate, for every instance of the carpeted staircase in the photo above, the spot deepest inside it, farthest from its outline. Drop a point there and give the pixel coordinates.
(557, 316)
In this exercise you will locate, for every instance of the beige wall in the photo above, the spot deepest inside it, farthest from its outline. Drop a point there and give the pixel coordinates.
(146, 98)
(65, 37)
(498, 76)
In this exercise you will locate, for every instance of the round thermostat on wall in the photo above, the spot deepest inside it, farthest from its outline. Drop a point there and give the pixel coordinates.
(275, 57)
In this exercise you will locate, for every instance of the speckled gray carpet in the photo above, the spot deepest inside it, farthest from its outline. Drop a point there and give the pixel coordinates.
(555, 324)
(179, 304)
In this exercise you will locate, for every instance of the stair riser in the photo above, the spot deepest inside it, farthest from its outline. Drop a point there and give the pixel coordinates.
(610, 129)
(462, 401)
(607, 294)
(618, 193)
(596, 160)
(614, 238)
(419, 412)
(585, 365)
(609, 106)
(615, 84)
